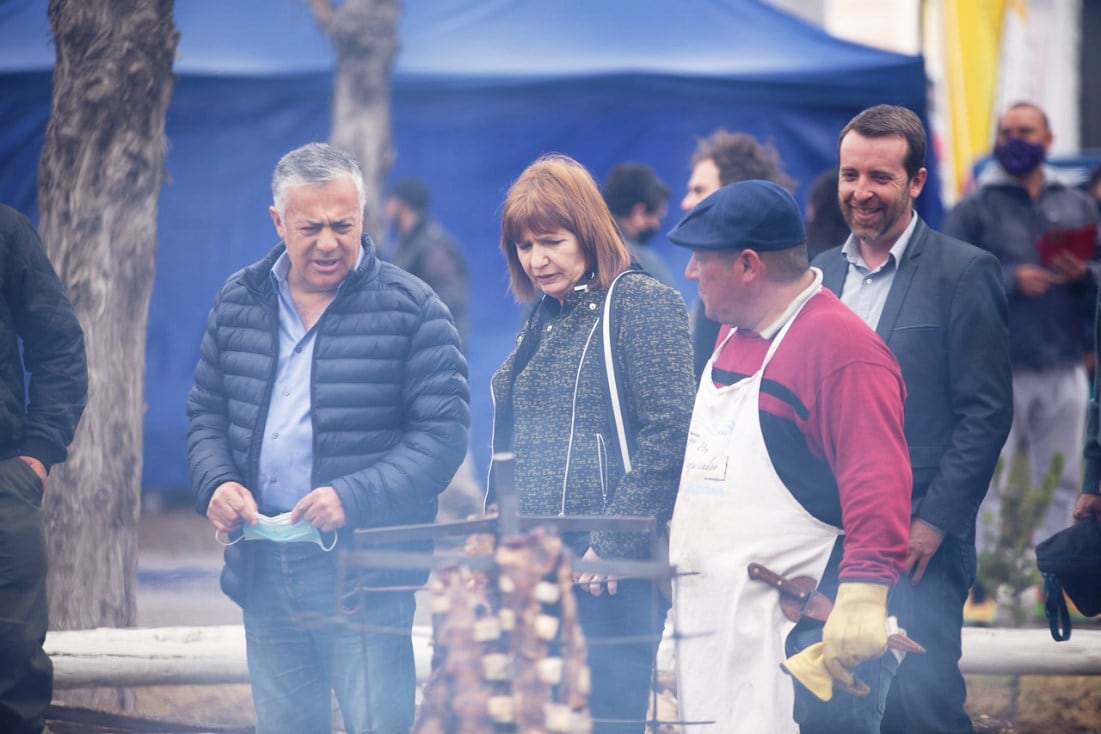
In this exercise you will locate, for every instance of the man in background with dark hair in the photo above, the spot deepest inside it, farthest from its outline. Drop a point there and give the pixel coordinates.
(638, 200)
(422, 246)
(826, 226)
(722, 158)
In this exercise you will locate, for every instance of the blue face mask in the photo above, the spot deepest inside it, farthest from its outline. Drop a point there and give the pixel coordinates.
(1019, 157)
(280, 529)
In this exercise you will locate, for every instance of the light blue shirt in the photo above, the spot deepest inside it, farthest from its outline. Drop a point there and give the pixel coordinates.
(286, 450)
(865, 290)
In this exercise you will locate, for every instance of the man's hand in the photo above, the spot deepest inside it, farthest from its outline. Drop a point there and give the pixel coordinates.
(1034, 281)
(321, 508)
(37, 467)
(1088, 505)
(231, 504)
(1070, 267)
(594, 583)
(924, 541)
(855, 631)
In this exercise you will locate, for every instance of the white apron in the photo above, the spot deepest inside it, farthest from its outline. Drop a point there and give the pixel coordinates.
(733, 509)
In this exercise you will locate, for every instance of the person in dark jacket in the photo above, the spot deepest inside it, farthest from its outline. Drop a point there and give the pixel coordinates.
(638, 200)
(37, 422)
(1088, 503)
(424, 248)
(939, 305)
(1020, 207)
(553, 409)
(330, 395)
(826, 226)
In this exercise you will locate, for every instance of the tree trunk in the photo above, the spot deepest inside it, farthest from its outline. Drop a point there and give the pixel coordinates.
(365, 36)
(98, 182)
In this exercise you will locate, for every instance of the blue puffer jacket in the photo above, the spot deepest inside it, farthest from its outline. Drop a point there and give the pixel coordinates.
(390, 403)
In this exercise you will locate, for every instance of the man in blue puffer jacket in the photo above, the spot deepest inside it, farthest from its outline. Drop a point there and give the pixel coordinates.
(330, 394)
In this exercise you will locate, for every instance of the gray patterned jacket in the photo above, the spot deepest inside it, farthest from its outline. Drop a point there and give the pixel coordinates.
(551, 409)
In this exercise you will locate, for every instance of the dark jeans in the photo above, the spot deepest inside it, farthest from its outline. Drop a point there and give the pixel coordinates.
(929, 690)
(26, 673)
(621, 672)
(302, 645)
(844, 713)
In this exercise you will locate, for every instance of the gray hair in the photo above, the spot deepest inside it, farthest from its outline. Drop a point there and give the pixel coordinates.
(314, 164)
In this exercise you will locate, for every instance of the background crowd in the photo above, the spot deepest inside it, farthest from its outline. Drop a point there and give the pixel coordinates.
(842, 421)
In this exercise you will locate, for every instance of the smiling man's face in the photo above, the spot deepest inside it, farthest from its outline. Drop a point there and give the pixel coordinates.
(874, 190)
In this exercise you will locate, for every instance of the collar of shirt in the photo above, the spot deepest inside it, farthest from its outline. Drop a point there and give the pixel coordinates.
(804, 295)
(851, 250)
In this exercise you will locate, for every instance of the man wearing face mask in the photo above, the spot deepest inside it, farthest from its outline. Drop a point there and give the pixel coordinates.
(637, 199)
(1044, 233)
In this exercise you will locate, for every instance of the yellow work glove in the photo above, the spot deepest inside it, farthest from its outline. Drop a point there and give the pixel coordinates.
(809, 668)
(855, 631)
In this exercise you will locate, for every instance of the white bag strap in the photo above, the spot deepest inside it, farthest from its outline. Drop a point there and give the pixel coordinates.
(610, 371)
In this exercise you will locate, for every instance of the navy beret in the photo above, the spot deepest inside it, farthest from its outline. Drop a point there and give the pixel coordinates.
(747, 215)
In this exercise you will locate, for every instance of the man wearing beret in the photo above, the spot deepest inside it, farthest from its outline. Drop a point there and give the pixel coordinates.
(796, 460)
(940, 306)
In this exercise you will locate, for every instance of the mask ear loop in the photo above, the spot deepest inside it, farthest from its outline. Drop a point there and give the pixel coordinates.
(219, 534)
(322, 543)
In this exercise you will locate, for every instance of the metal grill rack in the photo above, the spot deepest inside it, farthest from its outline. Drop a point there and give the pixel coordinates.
(373, 551)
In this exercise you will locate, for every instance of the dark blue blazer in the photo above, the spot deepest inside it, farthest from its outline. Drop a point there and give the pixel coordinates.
(945, 321)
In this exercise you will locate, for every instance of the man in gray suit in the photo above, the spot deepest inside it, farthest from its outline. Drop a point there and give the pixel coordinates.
(940, 306)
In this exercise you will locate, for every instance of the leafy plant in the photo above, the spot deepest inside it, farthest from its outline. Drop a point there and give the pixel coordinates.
(1007, 565)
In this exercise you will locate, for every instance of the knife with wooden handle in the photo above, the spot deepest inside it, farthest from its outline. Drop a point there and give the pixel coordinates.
(799, 597)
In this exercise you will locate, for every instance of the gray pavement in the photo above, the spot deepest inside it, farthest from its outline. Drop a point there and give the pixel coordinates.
(178, 566)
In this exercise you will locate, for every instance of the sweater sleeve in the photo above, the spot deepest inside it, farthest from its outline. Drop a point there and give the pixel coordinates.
(860, 421)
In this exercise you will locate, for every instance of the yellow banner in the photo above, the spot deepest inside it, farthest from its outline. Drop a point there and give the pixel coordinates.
(972, 39)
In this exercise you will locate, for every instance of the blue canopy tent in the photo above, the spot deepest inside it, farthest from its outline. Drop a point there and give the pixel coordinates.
(481, 88)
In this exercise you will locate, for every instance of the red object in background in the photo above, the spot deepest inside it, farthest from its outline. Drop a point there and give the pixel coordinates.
(1079, 241)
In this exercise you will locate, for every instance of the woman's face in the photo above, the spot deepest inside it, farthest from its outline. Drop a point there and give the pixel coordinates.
(553, 260)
